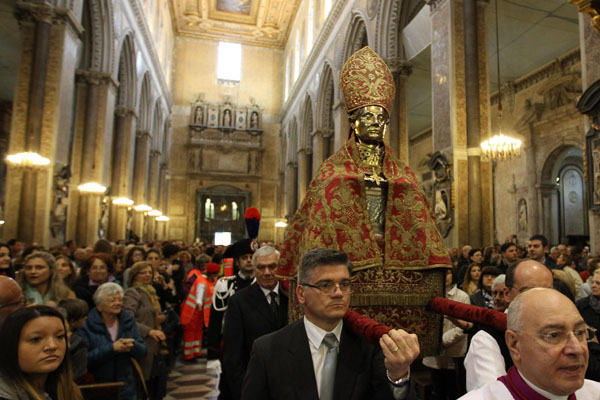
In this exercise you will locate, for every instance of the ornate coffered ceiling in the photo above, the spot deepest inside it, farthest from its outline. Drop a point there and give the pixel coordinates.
(255, 22)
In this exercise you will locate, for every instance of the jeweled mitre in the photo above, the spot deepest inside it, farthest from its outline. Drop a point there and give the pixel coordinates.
(366, 80)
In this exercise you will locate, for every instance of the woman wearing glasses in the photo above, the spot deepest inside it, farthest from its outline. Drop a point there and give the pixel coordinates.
(40, 281)
(97, 269)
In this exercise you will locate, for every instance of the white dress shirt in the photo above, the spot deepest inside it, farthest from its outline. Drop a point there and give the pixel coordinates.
(267, 291)
(484, 362)
(317, 349)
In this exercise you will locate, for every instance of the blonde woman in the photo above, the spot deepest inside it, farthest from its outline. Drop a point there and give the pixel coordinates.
(40, 281)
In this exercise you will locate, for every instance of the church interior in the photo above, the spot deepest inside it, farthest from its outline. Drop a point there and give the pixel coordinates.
(165, 120)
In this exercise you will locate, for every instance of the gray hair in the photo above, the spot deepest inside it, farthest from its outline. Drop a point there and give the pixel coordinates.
(499, 280)
(105, 290)
(264, 252)
(321, 257)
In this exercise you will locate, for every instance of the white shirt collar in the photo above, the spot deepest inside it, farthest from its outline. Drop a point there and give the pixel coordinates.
(548, 395)
(316, 334)
(267, 291)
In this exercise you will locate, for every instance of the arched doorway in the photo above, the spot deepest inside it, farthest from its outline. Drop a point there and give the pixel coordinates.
(563, 197)
(221, 208)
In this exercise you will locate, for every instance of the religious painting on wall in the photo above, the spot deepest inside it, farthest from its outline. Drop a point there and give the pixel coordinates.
(589, 105)
(235, 6)
(442, 192)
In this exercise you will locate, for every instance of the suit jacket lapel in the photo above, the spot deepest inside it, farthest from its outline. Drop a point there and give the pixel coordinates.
(300, 364)
(262, 304)
(349, 358)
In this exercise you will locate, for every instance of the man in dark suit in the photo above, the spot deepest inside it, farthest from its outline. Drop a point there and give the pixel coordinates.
(318, 357)
(254, 311)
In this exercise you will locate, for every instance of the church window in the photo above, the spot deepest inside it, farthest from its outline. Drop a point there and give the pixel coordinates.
(229, 64)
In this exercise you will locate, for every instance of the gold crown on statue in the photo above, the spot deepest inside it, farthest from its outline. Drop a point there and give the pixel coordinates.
(367, 81)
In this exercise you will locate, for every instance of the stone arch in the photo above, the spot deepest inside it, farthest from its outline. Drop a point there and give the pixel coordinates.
(126, 73)
(562, 194)
(392, 17)
(156, 131)
(325, 120)
(304, 141)
(292, 150)
(98, 36)
(357, 36)
(144, 104)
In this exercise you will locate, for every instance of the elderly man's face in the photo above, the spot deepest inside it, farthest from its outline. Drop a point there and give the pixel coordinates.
(500, 301)
(558, 368)
(264, 271)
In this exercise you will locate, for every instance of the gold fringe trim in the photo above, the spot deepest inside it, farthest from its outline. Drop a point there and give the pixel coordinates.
(383, 299)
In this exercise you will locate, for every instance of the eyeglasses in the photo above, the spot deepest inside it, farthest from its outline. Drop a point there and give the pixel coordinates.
(556, 338)
(22, 302)
(329, 288)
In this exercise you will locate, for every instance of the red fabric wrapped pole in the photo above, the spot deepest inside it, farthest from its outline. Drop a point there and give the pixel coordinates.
(467, 312)
(365, 327)
(372, 330)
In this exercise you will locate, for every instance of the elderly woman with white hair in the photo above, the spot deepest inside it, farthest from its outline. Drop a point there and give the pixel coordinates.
(113, 339)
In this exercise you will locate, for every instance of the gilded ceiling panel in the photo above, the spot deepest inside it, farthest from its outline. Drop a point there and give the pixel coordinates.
(256, 22)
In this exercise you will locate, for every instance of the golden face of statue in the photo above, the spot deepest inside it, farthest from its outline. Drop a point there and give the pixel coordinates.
(370, 124)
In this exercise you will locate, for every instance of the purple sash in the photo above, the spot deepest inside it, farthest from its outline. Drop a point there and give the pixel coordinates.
(519, 389)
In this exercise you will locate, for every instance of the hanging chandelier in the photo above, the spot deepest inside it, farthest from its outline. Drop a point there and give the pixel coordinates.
(500, 146)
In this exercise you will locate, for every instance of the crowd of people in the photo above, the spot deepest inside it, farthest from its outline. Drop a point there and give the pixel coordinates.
(125, 313)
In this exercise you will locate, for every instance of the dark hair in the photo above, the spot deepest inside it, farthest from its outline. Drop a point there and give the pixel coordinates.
(75, 308)
(129, 256)
(10, 271)
(102, 246)
(506, 246)
(319, 258)
(561, 286)
(210, 251)
(105, 258)
(487, 271)
(59, 384)
(170, 249)
(473, 251)
(155, 251)
(12, 242)
(541, 238)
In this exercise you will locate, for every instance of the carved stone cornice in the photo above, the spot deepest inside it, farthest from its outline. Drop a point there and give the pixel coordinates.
(591, 8)
(125, 112)
(97, 78)
(433, 4)
(399, 66)
(142, 134)
(29, 12)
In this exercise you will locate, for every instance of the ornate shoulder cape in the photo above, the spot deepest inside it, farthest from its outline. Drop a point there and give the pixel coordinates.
(334, 215)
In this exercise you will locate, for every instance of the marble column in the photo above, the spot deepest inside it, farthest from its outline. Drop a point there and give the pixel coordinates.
(318, 151)
(303, 175)
(42, 106)
(398, 128)
(96, 93)
(154, 179)
(461, 112)
(342, 125)
(589, 42)
(123, 141)
(140, 169)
